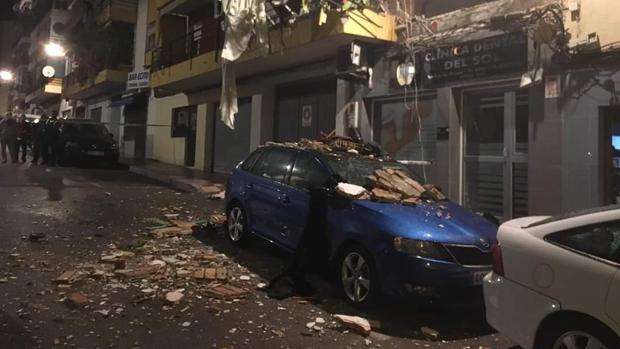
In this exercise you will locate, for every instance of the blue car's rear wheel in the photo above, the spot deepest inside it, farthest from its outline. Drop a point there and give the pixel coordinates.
(236, 226)
(357, 276)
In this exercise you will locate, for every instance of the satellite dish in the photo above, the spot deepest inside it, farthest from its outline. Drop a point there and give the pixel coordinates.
(405, 73)
(48, 71)
(59, 28)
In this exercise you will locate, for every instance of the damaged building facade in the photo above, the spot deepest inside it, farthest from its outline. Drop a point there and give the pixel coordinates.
(512, 108)
(509, 114)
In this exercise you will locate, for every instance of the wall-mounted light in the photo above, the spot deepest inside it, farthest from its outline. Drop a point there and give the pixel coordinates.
(53, 49)
(6, 75)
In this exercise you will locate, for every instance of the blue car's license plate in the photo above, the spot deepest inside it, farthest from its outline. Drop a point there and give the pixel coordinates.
(479, 276)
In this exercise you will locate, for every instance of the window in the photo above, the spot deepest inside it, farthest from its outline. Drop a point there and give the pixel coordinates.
(85, 130)
(408, 131)
(95, 114)
(183, 121)
(356, 170)
(274, 164)
(600, 240)
(251, 160)
(308, 172)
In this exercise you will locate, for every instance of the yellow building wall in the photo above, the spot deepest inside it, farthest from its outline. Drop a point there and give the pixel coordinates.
(165, 148)
(172, 150)
(595, 16)
(201, 137)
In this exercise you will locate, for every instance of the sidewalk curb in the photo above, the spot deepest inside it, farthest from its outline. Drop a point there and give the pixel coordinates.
(178, 182)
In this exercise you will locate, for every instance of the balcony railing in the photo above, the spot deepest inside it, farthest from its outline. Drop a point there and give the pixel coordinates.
(184, 48)
(75, 77)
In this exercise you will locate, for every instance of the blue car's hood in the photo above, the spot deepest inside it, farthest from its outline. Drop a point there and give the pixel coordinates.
(443, 222)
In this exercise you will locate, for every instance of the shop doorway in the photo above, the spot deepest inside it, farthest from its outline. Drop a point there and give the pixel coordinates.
(231, 146)
(495, 163)
(305, 110)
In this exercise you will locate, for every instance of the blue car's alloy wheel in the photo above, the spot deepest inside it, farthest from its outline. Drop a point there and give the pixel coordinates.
(236, 224)
(355, 277)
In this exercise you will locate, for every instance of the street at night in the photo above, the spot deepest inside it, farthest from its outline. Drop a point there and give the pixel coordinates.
(310, 174)
(83, 212)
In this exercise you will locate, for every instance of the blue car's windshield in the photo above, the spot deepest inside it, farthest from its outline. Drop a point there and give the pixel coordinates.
(356, 170)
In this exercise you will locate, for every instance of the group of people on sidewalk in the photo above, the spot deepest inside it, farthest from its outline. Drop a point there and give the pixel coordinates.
(17, 135)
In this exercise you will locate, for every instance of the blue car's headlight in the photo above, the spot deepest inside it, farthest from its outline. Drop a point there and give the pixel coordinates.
(421, 248)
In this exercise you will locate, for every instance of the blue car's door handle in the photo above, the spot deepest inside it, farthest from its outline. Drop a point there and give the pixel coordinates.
(284, 199)
(249, 186)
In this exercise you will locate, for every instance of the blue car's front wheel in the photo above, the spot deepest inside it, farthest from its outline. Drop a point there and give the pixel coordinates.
(357, 276)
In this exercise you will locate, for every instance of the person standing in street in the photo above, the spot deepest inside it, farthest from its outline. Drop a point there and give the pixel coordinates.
(23, 137)
(38, 140)
(8, 138)
(52, 133)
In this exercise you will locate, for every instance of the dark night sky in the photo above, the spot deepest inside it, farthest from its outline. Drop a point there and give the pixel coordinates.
(5, 9)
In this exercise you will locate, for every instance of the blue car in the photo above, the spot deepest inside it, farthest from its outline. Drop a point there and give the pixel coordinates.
(377, 248)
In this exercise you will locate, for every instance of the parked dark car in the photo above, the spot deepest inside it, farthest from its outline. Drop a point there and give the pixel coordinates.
(83, 141)
(375, 247)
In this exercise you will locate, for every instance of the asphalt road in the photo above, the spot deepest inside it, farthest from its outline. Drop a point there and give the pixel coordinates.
(86, 212)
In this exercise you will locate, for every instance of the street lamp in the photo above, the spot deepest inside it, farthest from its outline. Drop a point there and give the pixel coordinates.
(6, 75)
(53, 49)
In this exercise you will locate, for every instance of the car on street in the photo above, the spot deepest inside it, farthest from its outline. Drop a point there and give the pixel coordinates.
(377, 248)
(82, 141)
(555, 282)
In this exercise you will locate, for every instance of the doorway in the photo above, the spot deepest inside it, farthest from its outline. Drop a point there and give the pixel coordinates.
(190, 140)
(305, 110)
(184, 126)
(495, 154)
(231, 146)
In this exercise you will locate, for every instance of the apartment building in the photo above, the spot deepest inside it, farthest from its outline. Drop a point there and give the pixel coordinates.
(289, 93)
(101, 53)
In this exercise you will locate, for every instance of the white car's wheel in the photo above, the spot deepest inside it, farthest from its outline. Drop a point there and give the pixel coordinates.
(236, 226)
(578, 340)
(580, 334)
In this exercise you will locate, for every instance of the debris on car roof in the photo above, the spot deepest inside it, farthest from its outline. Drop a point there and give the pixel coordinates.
(332, 144)
(384, 185)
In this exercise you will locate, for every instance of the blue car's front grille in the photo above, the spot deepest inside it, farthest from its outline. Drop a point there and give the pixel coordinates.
(470, 255)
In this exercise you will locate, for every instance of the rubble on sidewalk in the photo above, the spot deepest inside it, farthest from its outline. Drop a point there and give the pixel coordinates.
(430, 333)
(166, 263)
(117, 256)
(76, 300)
(169, 232)
(36, 237)
(216, 220)
(174, 297)
(354, 323)
(67, 277)
(227, 292)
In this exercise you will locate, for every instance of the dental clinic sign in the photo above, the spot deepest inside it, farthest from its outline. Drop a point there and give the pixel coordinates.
(490, 57)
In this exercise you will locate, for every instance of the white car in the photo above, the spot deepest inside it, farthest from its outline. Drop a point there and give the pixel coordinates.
(556, 281)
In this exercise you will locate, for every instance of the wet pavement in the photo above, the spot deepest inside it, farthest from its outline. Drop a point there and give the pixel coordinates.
(89, 213)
